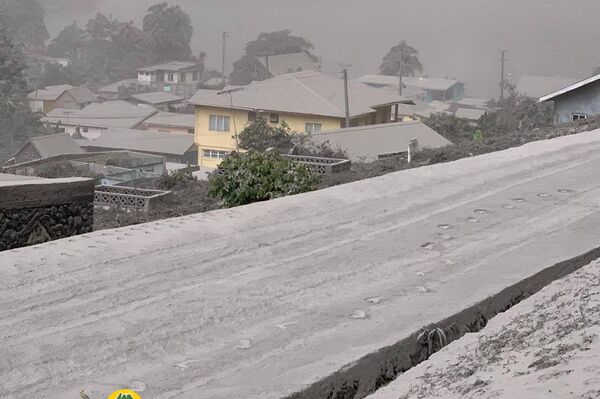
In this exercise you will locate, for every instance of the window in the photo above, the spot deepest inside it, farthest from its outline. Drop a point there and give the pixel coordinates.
(274, 118)
(577, 117)
(251, 116)
(196, 76)
(219, 123)
(182, 77)
(191, 131)
(171, 77)
(85, 130)
(311, 128)
(216, 154)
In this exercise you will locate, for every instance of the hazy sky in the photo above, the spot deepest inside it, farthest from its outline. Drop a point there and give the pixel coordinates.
(456, 38)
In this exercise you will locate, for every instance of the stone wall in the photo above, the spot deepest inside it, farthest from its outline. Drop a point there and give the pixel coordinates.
(36, 211)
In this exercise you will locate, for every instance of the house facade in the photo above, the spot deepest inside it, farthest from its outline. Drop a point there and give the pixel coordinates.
(62, 96)
(176, 77)
(576, 102)
(308, 102)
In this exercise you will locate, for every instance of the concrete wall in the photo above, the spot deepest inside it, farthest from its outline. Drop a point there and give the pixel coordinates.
(585, 100)
(37, 211)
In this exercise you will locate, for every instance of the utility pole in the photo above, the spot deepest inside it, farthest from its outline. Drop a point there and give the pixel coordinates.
(345, 73)
(400, 73)
(502, 80)
(225, 36)
(266, 54)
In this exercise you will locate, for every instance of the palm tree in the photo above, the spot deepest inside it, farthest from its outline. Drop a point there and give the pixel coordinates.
(410, 61)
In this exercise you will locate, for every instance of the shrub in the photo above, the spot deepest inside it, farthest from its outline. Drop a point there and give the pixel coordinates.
(168, 180)
(253, 177)
(261, 135)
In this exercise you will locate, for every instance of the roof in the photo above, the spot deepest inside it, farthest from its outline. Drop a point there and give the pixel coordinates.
(471, 114)
(288, 63)
(537, 86)
(54, 144)
(49, 93)
(214, 82)
(570, 88)
(368, 142)
(172, 66)
(172, 119)
(307, 92)
(419, 82)
(102, 115)
(142, 141)
(157, 97)
(82, 95)
(121, 84)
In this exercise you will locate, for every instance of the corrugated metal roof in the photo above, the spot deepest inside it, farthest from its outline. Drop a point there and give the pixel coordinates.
(172, 66)
(307, 92)
(142, 141)
(368, 142)
(570, 88)
(49, 93)
(82, 95)
(55, 144)
(157, 97)
(102, 115)
(289, 63)
(172, 119)
(537, 86)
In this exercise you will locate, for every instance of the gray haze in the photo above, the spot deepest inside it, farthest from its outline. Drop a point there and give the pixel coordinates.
(456, 38)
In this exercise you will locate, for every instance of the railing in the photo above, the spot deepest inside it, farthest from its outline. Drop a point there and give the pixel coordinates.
(321, 165)
(128, 197)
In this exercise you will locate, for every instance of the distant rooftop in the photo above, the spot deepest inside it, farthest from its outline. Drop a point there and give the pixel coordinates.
(172, 119)
(115, 88)
(537, 86)
(437, 84)
(157, 97)
(368, 142)
(307, 92)
(172, 66)
(142, 141)
(289, 63)
(49, 93)
(570, 88)
(471, 114)
(102, 115)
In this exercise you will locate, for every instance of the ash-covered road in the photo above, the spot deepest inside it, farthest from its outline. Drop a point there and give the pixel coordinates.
(263, 300)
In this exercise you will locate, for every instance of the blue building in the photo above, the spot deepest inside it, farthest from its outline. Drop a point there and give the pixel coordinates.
(578, 101)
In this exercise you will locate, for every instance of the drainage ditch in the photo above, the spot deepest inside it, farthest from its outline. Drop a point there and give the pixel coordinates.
(376, 370)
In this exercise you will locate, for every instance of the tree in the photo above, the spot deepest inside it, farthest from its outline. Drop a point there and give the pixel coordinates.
(69, 43)
(17, 122)
(24, 23)
(168, 32)
(410, 61)
(273, 43)
(261, 135)
(253, 177)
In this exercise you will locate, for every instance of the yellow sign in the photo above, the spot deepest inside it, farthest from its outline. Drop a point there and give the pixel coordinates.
(124, 394)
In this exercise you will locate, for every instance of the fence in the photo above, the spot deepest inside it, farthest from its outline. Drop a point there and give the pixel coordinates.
(322, 165)
(128, 198)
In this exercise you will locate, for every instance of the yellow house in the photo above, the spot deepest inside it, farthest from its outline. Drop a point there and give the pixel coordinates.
(307, 101)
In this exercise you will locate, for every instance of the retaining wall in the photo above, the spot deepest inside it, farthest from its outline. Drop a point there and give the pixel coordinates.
(37, 211)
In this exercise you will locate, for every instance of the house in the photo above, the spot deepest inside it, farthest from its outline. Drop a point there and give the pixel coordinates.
(121, 89)
(95, 118)
(434, 89)
(308, 101)
(37, 65)
(169, 122)
(577, 101)
(375, 142)
(46, 146)
(178, 77)
(534, 86)
(160, 100)
(177, 148)
(61, 96)
(270, 66)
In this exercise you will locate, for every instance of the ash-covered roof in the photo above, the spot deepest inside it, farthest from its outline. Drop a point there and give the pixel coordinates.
(102, 115)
